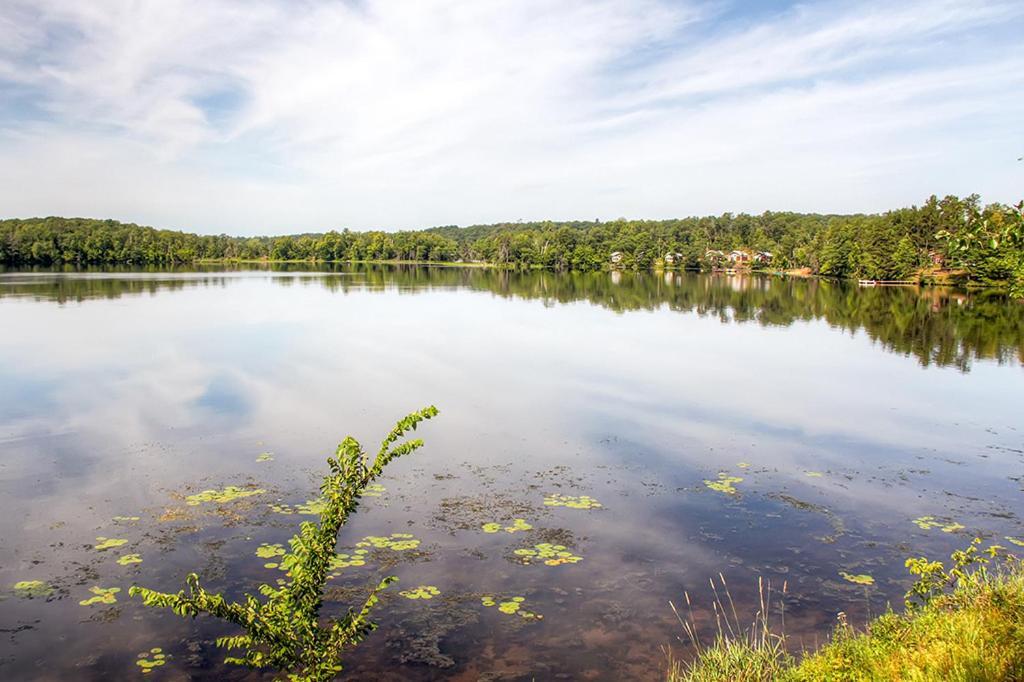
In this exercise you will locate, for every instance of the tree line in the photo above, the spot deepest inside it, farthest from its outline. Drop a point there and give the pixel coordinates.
(985, 243)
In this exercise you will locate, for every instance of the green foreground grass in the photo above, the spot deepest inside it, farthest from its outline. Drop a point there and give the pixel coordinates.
(968, 626)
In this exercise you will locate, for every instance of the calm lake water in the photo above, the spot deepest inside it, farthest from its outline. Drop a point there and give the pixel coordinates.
(847, 413)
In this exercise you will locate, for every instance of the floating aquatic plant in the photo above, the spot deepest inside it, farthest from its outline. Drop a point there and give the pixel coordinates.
(265, 457)
(813, 474)
(1019, 543)
(29, 589)
(517, 526)
(570, 501)
(128, 559)
(309, 507)
(103, 543)
(858, 579)
(513, 606)
(357, 558)
(929, 522)
(150, 660)
(266, 551)
(743, 465)
(284, 628)
(396, 541)
(228, 494)
(551, 555)
(103, 595)
(724, 484)
(374, 490)
(126, 519)
(421, 592)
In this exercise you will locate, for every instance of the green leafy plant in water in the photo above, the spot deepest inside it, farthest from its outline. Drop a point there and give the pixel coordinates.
(724, 484)
(283, 629)
(148, 661)
(813, 474)
(857, 579)
(308, 508)
(265, 457)
(570, 501)
(103, 543)
(551, 555)
(228, 494)
(933, 578)
(929, 522)
(29, 589)
(266, 551)
(129, 559)
(126, 519)
(421, 592)
(398, 542)
(374, 490)
(103, 595)
(513, 606)
(517, 526)
(1015, 541)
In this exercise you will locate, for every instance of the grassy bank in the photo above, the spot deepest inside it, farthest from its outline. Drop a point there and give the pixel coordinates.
(965, 623)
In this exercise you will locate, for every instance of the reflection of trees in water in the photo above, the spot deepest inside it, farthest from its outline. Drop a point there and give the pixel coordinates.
(936, 325)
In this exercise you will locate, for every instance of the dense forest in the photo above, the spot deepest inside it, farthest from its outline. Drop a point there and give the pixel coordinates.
(983, 244)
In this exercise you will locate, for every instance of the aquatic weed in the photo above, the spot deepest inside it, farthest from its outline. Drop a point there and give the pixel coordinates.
(512, 606)
(129, 559)
(571, 501)
(517, 526)
(103, 595)
(148, 664)
(551, 555)
(103, 543)
(421, 592)
(29, 589)
(857, 579)
(724, 484)
(228, 494)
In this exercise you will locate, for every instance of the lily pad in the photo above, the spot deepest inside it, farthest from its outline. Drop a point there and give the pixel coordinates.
(150, 660)
(103, 595)
(228, 494)
(724, 484)
(511, 606)
(29, 589)
(549, 554)
(103, 543)
(571, 501)
(421, 592)
(129, 559)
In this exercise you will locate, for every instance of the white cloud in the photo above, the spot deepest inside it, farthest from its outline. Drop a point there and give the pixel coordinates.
(274, 116)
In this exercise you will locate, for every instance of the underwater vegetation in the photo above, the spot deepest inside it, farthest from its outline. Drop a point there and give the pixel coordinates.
(103, 595)
(517, 525)
(512, 606)
(724, 484)
(929, 522)
(570, 501)
(228, 494)
(149, 660)
(421, 592)
(551, 555)
(129, 559)
(103, 543)
(858, 579)
(29, 589)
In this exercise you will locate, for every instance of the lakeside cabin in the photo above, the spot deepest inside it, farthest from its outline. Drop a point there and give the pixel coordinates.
(675, 258)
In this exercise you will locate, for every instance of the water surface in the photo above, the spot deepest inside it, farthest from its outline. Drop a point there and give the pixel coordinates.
(846, 412)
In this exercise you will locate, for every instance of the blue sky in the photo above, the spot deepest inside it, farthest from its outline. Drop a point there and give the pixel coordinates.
(275, 116)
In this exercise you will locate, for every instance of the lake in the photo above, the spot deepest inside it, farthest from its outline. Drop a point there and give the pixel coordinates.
(828, 419)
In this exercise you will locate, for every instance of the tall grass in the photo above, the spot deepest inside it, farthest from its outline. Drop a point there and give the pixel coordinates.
(970, 628)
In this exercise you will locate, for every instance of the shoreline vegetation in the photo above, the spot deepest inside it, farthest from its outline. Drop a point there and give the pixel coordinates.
(949, 241)
(964, 623)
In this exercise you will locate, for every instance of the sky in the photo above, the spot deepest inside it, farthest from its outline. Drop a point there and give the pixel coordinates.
(284, 116)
